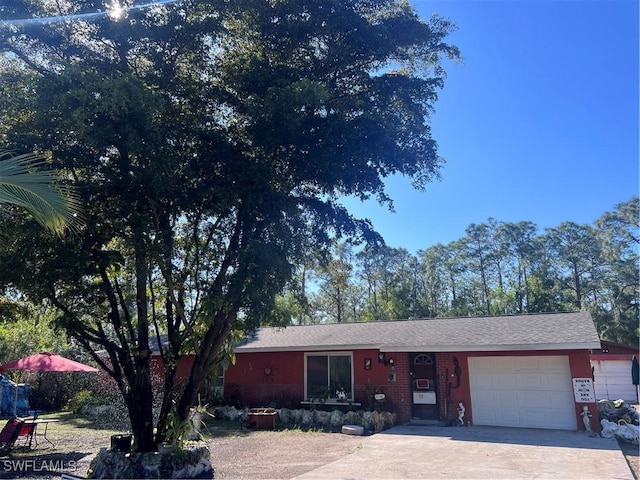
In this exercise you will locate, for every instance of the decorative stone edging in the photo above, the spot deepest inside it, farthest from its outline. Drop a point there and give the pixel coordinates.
(373, 421)
(191, 462)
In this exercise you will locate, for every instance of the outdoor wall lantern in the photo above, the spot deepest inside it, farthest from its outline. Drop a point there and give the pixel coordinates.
(367, 364)
(383, 359)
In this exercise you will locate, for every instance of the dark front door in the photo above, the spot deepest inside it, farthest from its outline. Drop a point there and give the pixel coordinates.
(424, 386)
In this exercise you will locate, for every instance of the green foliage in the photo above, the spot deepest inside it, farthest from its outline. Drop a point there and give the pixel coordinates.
(81, 399)
(29, 332)
(321, 394)
(210, 142)
(26, 182)
(177, 429)
(498, 268)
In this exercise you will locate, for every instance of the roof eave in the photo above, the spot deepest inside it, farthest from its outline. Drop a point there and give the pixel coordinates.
(492, 348)
(306, 348)
(427, 348)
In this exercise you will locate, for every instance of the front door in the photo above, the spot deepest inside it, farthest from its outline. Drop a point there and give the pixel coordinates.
(424, 386)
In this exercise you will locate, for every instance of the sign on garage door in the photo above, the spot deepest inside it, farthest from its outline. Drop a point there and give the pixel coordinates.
(532, 392)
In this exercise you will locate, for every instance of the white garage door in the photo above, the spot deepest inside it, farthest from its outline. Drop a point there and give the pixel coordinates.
(532, 392)
(612, 380)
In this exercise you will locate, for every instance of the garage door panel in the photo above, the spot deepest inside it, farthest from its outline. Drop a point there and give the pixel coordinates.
(504, 381)
(509, 417)
(561, 419)
(506, 398)
(530, 381)
(531, 391)
(485, 396)
(535, 417)
(538, 398)
(559, 398)
(526, 365)
(612, 380)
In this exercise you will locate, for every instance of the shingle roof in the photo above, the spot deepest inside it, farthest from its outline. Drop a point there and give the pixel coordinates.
(548, 331)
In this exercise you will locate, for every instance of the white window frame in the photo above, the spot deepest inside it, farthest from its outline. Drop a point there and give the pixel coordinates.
(218, 390)
(334, 397)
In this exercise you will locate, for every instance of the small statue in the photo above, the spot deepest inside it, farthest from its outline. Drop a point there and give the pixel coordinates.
(461, 411)
(586, 418)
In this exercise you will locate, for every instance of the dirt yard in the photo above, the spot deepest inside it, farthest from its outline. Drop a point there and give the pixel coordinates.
(236, 453)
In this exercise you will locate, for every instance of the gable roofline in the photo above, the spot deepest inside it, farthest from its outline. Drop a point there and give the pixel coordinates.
(541, 331)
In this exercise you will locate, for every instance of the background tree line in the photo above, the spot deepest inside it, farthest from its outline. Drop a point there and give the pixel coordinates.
(497, 268)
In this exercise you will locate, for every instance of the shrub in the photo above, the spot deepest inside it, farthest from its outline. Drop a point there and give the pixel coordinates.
(81, 399)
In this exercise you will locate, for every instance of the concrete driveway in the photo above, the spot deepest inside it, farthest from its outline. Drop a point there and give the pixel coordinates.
(479, 452)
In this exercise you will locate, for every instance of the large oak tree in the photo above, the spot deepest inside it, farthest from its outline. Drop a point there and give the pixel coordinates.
(211, 141)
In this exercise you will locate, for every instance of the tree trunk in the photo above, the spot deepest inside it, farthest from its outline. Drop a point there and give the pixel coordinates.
(139, 402)
(485, 287)
(140, 397)
(576, 279)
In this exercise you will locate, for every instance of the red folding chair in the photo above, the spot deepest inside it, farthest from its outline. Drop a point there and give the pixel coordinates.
(26, 430)
(10, 433)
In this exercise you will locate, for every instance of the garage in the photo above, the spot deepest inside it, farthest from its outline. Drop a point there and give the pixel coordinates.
(522, 391)
(612, 379)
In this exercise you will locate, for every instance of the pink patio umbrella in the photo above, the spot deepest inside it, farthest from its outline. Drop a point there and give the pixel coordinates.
(47, 362)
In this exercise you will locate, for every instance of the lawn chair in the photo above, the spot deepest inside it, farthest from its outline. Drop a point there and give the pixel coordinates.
(27, 429)
(10, 434)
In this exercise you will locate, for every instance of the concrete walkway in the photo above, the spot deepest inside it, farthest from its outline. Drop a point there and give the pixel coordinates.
(479, 452)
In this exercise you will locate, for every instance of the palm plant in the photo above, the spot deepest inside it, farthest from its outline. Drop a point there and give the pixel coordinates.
(23, 182)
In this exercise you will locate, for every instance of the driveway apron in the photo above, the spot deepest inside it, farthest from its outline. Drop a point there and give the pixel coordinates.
(423, 451)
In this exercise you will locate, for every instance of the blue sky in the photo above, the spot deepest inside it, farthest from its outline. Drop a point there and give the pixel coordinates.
(539, 122)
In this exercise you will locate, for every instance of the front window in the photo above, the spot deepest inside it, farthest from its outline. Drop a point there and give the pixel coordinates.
(216, 382)
(328, 374)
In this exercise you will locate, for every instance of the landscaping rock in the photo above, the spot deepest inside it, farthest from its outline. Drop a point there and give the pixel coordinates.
(306, 417)
(333, 420)
(229, 413)
(616, 410)
(322, 417)
(353, 418)
(187, 463)
(337, 418)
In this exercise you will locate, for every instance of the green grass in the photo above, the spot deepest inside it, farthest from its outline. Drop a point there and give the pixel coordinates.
(69, 421)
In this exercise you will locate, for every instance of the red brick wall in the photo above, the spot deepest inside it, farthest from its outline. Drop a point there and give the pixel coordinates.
(262, 379)
(578, 363)
(248, 383)
(184, 367)
(445, 369)
(399, 391)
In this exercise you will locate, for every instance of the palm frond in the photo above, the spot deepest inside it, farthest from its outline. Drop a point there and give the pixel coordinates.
(25, 182)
